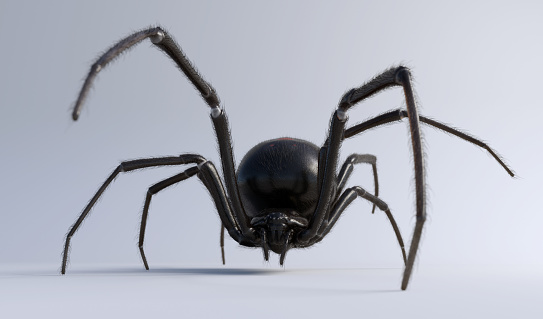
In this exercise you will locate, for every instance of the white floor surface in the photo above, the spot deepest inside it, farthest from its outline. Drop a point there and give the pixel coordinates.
(225, 292)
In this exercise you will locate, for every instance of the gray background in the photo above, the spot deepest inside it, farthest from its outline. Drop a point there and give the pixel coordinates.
(280, 68)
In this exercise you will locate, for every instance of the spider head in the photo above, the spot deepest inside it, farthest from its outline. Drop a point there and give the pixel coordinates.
(277, 228)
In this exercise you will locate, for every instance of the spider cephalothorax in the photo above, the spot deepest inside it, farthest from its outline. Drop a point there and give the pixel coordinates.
(287, 193)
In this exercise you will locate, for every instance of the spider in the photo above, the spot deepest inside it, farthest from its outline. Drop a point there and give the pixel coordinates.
(286, 192)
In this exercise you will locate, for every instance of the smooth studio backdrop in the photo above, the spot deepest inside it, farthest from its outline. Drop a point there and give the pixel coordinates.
(280, 69)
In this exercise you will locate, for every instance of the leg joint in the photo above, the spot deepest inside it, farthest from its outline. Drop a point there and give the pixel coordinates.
(402, 75)
(346, 100)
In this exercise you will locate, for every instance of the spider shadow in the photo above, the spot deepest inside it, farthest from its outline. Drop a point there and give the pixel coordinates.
(214, 271)
(166, 271)
(225, 272)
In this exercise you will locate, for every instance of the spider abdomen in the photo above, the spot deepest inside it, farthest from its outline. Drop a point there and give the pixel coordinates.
(279, 174)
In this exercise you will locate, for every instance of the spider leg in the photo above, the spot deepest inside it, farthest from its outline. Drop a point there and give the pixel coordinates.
(124, 167)
(222, 244)
(213, 184)
(210, 177)
(400, 76)
(328, 158)
(396, 76)
(152, 191)
(345, 200)
(398, 115)
(220, 124)
(348, 167)
(163, 41)
(166, 43)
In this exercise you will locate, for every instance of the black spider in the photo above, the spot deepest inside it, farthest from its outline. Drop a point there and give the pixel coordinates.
(286, 192)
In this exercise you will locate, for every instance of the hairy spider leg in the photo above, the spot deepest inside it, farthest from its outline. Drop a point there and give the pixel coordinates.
(398, 115)
(154, 189)
(396, 76)
(123, 167)
(348, 167)
(346, 198)
(207, 173)
(167, 44)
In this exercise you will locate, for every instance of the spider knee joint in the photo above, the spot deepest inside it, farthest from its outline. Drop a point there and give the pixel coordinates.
(157, 37)
(96, 67)
(216, 112)
(200, 165)
(402, 75)
(341, 114)
(346, 100)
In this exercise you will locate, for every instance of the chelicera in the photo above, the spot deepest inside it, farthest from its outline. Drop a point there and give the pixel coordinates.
(287, 193)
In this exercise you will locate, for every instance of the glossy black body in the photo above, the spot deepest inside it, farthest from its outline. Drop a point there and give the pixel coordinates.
(278, 186)
(280, 174)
